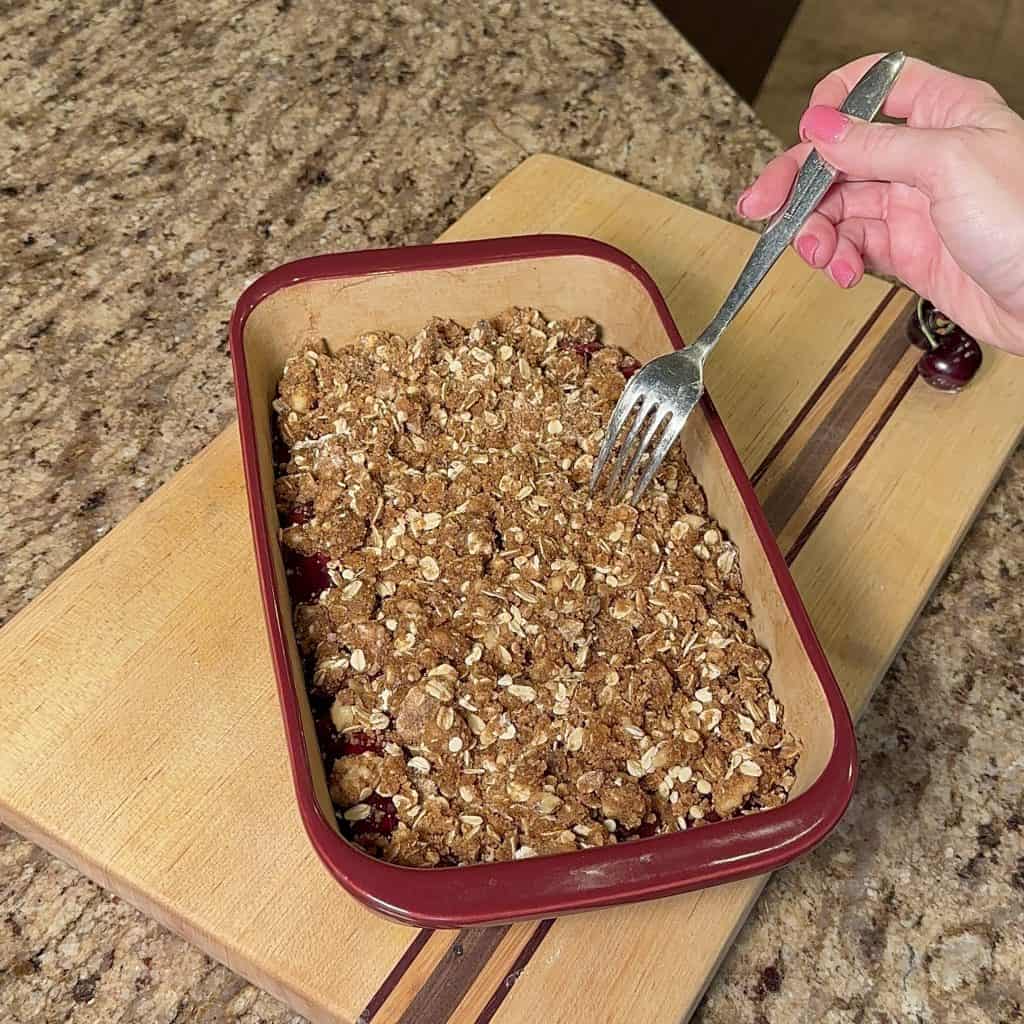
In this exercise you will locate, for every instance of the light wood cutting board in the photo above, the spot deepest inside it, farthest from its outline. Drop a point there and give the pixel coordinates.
(141, 738)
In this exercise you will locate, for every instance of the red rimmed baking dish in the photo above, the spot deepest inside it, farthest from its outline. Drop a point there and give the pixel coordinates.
(341, 295)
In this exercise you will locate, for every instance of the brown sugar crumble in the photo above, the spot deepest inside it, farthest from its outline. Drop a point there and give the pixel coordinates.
(501, 666)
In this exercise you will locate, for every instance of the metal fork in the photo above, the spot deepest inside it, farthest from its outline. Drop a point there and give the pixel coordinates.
(662, 395)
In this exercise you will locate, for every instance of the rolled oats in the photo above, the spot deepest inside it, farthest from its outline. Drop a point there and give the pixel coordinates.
(501, 667)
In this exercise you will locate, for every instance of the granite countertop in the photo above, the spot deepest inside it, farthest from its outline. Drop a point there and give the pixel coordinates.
(155, 159)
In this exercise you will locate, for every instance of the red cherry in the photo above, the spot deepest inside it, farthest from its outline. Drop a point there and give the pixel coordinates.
(307, 575)
(951, 365)
(951, 356)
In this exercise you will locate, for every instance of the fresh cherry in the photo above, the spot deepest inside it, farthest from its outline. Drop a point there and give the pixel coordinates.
(951, 356)
(951, 366)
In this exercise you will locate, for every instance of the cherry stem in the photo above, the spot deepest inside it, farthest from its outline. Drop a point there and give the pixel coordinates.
(922, 319)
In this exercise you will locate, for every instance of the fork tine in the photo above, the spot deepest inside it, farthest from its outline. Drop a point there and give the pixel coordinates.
(659, 418)
(622, 409)
(665, 442)
(645, 410)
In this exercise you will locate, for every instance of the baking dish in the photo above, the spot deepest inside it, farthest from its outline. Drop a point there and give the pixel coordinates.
(341, 295)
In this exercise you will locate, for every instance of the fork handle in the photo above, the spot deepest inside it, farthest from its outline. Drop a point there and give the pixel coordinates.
(814, 180)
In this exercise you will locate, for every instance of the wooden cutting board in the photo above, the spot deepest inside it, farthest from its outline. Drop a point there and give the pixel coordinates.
(141, 738)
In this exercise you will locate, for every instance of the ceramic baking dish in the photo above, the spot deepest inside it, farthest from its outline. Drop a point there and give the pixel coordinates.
(341, 295)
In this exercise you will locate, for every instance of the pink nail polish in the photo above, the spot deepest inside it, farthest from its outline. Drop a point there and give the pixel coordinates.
(807, 247)
(823, 124)
(842, 273)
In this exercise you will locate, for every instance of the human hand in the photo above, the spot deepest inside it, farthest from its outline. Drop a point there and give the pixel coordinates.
(937, 202)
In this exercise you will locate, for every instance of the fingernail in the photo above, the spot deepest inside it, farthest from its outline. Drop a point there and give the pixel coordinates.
(741, 203)
(823, 124)
(842, 273)
(807, 247)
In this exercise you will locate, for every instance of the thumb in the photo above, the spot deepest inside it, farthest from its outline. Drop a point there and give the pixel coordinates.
(876, 152)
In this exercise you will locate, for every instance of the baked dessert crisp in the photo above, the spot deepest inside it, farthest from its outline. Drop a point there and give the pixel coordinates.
(499, 665)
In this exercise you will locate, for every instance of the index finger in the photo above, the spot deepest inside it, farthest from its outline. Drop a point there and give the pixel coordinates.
(924, 95)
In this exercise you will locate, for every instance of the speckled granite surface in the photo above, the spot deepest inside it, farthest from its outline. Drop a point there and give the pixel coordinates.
(153, 159)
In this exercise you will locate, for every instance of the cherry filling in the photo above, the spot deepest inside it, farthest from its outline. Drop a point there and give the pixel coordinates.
(332, 746)
(307, 575)
(319, 700)
(383, 819)
(332, 743)
(362, 743)
(297, 515)
(644, 830)
(282, 456)
(308, 578)
(627, 365)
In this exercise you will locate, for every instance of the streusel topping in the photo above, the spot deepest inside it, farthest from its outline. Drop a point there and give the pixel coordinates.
(500, 665)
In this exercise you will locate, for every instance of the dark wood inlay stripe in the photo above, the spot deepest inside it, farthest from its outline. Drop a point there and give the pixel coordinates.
(805, 409)
(395, 975)
(841, 481)
(442, 992)
(791, 490)
(525, 955)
